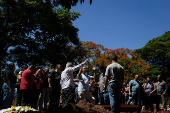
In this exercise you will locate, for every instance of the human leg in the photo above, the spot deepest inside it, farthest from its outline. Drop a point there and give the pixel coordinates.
(46, 97)
(81, 95)
(157, 102)
(163, 101)
(114, 95)
(90, 97)
(41, 99)
(101, 98)
(106, 98)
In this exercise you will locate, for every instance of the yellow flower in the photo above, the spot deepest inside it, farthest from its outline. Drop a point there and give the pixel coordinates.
(13, 107)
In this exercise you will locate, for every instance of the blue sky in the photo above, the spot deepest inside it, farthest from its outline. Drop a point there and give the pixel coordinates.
(122, 23)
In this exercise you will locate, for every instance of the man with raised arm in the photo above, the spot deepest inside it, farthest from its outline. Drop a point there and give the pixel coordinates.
(67, 82)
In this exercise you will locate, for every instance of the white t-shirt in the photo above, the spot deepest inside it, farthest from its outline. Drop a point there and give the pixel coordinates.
(67, 76)
(84, 85)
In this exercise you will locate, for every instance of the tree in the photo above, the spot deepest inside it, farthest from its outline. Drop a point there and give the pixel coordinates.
(129, 59)
(37, 31)
(157, 53)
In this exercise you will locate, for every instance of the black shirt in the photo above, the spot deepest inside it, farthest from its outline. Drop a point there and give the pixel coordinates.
(9, 75)
(34, 84)
(45, 81)
(55, 79)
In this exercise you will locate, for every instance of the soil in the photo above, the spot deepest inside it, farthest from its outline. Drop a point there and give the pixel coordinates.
(81, 107)
(86, 107)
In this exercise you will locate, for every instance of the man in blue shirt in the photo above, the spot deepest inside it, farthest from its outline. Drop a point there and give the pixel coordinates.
(134, 90)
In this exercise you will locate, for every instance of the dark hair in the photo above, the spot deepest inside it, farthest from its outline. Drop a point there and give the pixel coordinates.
(57, 66)
(114, 57)
(11, 66)
(151, 82)
(101, 66)
(32, 66)
(24, 67)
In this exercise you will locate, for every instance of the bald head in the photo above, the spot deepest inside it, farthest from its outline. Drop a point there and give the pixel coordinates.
(136, 77)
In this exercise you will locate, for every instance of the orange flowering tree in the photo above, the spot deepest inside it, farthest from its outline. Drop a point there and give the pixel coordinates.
(131, 62)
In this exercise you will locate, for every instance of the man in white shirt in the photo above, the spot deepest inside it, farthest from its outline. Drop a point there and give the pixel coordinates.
(67, 82)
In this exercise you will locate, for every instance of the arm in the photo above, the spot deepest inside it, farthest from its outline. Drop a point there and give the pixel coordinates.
(19, 76)
(32, 79)
(122, 77)
(49, 82)
(7, 79)
(153, 89)
(77, 80)
(106, 78)
(165, 89)
(75, 68)
(129, 90)
(80, 71)
(41, 80)
(94, 69)
(106, 82)
(8, 83)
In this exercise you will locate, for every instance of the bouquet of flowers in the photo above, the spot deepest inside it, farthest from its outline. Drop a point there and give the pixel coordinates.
(19, 109)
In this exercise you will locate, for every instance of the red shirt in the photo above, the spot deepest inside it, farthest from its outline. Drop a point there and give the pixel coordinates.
(26, 82)
(122, 91)
(38, 85)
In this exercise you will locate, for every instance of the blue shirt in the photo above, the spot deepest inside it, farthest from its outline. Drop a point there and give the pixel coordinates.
(135, 86)
(149, 88)
(84, 86)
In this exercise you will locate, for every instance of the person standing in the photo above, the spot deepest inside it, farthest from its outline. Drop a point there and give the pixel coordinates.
(26, 86)
(1, 91)
(115, 74)
(67, 82)
(168, 91)
(19, 95)
(150, 89)
(36, 86)
(45, 90)
(103, 94)
(54, 85)
(83, 87)
(10, 81)
(161, 91)
(134, 90)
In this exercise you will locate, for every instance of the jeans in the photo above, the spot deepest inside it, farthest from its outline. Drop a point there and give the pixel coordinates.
(114, 90)
(44, 98)
(135, 97)
(7, 102)
(104, 98)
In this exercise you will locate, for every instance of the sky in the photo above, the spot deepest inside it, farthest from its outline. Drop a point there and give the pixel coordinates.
(122, 23)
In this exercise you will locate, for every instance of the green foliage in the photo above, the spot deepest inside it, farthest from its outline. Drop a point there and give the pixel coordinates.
(157, 53)
(37, 31)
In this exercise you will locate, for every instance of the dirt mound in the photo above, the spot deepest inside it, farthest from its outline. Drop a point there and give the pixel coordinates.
(81, 107)
(87, 107)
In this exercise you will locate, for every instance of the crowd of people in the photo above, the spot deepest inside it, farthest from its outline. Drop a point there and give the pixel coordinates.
(37, 87)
